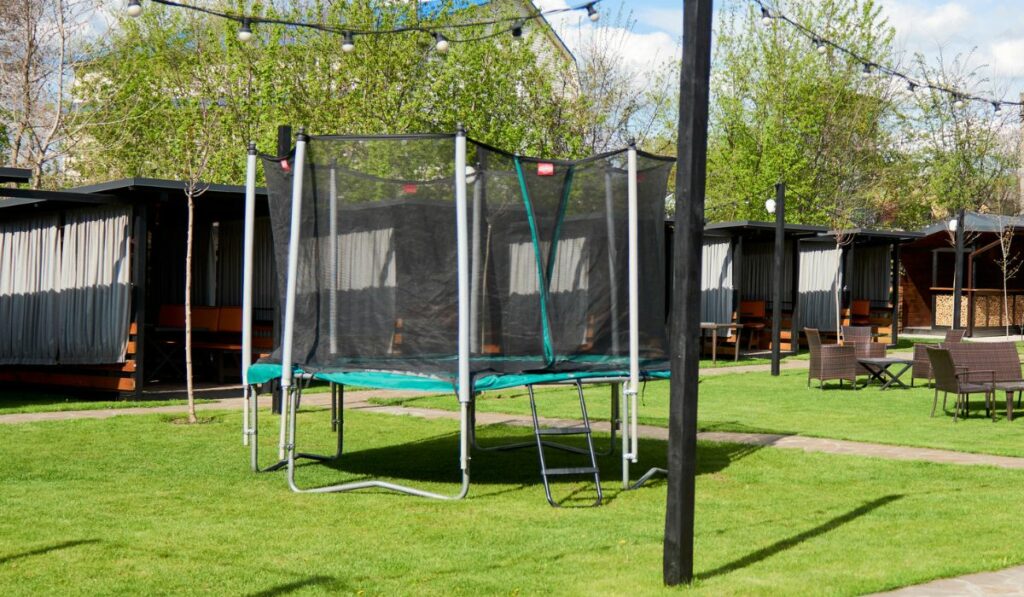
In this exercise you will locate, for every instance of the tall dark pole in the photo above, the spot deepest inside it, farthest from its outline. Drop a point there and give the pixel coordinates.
(958, 272)
(690, 178)
(780, 235)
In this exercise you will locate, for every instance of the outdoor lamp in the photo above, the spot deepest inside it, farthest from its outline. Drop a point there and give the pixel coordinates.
(348, 42)
(770, 206)
(442, 43)
(245, 31)
(134, 8)
(952, 225)
(592, 13)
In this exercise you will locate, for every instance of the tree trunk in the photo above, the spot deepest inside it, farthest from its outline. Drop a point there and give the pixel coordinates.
(837, 289)
(188, 312)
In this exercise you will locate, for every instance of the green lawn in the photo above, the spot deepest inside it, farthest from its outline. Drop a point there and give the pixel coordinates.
(12, 402)
(757, 402)
(142, 505)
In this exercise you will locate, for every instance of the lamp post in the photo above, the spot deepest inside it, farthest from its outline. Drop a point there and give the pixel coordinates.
(777, 206)
(957, 227)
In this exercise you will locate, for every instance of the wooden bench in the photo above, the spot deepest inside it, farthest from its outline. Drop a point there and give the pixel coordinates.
(217, 330)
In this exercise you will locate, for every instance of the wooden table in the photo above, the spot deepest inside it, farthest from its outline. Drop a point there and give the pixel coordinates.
(715, 328)
(881, 368)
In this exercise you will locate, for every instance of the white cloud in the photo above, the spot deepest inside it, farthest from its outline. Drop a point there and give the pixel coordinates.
(669, 20)
(916, 23)
(1008, 58)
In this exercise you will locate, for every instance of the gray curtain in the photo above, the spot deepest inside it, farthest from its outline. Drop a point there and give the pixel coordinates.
(229, 264)
(819, 263)
(29, 282)
(716, 288)
(870, 277)
(95, 286)
(757, 272)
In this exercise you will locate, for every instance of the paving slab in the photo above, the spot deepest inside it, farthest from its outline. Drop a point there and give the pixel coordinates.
(1002, 582)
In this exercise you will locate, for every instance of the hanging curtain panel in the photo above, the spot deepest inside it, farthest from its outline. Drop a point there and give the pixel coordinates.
(716, 288)
(95, 286)
(229, 266)
(757, 275)
(29, 279)
(819, 266)
(870, 279)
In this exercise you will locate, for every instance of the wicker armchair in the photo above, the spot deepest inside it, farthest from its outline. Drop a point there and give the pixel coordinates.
(830, 361)
(856, 334)
(922, 366)
(958, 380)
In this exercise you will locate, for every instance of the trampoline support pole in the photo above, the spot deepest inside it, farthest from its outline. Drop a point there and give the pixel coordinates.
(634, 301)
(247, 242)
(462, 238)
(287, 334)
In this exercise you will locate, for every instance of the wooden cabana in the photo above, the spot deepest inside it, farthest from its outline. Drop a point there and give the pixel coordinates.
(101, 306)
(928, 279)
(738, 276)
(864, 267)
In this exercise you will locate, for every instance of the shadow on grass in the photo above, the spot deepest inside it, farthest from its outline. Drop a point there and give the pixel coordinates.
(790, 542)
(43, 550)
(291, 587)
(435, 460)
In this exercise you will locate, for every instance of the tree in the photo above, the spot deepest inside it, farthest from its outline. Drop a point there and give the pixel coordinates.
(39, 122)
(784, 111)
(497, 87)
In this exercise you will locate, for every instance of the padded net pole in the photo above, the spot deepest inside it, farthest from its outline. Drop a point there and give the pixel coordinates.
(476, 263)
(462, 237)
(292, 283)
(333, 225)
(613, 272)
(634, 300)
(247, 242)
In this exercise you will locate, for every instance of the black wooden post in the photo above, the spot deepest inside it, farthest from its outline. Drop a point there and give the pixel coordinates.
(284, 147)
(691, 174)
(895, 294)
(140, 256)
(958, 275)
(780, 235)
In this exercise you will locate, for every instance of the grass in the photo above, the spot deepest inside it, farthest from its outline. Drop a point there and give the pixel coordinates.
(24, 402)
(757, 402)
(139, 505)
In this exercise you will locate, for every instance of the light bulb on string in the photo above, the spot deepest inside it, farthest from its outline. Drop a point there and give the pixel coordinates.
(593, 14)
(134, 8)
(441, 43)
(348, 42)
(866, 72)
(911, 86)
(517, 29)
(958, 103)
(997, 107)
(245, 31)
(820, 46)
(766, 16)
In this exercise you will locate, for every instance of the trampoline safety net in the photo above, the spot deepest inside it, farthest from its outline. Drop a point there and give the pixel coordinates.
(377, 280)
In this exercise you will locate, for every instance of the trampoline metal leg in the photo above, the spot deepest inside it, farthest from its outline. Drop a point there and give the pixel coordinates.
(254, 443)
(292, 455)
(629, 438)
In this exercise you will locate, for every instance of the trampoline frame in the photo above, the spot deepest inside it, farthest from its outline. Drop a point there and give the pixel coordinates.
(291, 391)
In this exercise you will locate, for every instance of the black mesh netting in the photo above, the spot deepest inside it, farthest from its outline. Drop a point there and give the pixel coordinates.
(377, 285)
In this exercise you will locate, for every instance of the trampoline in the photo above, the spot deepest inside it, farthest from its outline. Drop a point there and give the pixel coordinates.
(438, 263)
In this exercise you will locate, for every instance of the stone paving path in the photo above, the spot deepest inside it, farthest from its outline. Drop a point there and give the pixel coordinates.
(1002, 582)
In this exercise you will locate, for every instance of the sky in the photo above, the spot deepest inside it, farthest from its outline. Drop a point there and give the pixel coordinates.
(990, 31)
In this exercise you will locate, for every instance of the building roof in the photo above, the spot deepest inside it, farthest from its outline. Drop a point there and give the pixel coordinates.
(19, 175)
(130, 185)
(739, 225)
(977, 222)
(11, 198)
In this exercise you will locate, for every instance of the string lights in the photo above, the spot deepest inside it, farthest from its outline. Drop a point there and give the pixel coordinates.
(442, 42)
(822, 44)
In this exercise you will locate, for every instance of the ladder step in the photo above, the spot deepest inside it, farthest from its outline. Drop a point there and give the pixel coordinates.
(563, 431)
(582, 470)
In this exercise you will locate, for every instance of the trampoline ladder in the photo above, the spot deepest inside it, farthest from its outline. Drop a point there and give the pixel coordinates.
(583, 430)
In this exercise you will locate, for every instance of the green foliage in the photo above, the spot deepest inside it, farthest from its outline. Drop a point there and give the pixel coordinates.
(782, 111)
(162, 69)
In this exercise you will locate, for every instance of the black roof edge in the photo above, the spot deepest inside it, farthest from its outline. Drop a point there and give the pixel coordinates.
(158, 184)
(15, 175)
(65, 196)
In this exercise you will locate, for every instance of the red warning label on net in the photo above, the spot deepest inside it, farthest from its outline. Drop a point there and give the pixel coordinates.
(545, 169)
(409, 189)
